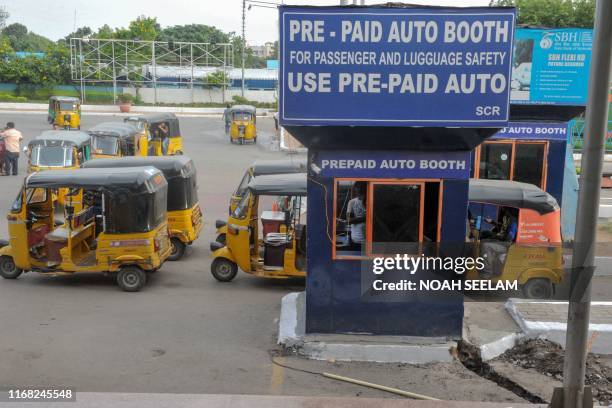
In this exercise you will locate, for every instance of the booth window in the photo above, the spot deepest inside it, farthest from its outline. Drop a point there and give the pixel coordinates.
(529, 163)
(495, 161)
(523, 161)
(381, 217)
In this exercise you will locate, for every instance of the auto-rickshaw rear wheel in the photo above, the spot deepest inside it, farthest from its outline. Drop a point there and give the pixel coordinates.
(131, 278)
(223, 269)
(539, 288)
(8, 269)
(178, 249)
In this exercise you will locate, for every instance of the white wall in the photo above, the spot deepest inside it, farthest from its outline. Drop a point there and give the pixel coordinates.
(184, 96)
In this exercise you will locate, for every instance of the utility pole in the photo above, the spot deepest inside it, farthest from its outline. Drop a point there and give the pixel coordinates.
(583, 259)
(243, 42)
(4, 15)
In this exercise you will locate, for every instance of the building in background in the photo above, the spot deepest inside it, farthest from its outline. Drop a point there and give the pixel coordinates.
(263, 51)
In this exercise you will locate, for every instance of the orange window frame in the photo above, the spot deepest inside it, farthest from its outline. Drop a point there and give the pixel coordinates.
(370, 212)
(514, 143)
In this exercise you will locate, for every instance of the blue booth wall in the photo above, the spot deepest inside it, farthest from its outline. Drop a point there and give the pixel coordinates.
(334, 302)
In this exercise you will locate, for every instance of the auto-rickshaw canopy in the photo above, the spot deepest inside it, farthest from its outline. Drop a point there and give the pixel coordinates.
(243, 108)
(154, 119)
(279, 185)
(65, 99)
(263, 167)
(512, 194)
(179, 171)
(116, 129)
(134, 197)
(62, 138)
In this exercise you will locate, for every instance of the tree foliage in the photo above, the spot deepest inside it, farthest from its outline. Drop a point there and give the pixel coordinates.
(552, 13)
(23, 40)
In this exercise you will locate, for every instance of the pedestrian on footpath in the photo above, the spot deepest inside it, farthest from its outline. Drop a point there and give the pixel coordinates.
(12, 138)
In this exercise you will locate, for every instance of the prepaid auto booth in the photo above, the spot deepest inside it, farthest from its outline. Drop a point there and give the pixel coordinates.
(389, 149)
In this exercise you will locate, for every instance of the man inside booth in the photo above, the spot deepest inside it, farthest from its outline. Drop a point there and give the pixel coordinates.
(356, 215)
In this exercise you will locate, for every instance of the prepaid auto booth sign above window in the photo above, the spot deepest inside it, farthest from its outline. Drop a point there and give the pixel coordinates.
(395, 66)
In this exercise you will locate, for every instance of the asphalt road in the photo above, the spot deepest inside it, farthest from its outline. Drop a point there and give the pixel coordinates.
(185, 332)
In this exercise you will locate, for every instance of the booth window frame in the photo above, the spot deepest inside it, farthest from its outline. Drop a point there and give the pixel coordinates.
(514, 143)
(370, 213)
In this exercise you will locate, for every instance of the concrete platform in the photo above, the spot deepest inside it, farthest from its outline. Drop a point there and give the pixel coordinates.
(352, 347)
(137, 400)
(549, 320)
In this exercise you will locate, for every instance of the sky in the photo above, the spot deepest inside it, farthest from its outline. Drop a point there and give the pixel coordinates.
(56, 19)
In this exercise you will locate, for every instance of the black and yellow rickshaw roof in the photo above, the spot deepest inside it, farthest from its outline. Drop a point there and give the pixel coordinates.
(512, 194)
(65, 99)
(155, 118)
(62, 138)
(279, 185)
(263, 167)
(137, 180)
(243, 108)
(116, 129)
(171, 166)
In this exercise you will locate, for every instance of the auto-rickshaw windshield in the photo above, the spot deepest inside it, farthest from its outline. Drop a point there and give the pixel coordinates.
(103, 144)
(243, 206)
(242, 116)
(51, 156)
(68, 106)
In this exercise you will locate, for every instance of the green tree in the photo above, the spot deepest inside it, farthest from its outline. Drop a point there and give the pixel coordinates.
(143, 28)
(23, 40)
(81, 32)
(194, 33)
(552, 13)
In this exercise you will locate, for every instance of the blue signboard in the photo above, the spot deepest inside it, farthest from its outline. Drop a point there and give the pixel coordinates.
(551, 66)
(393, 164)
(534, 131)
(395, 66)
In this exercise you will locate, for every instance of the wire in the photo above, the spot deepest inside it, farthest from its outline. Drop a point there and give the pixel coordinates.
(326, 210)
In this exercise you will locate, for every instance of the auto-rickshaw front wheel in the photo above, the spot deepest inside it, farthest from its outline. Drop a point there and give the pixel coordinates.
(222, 239)
(131, 278)
(538, 288)
(223, 269)
(178, 249)
(8, 269)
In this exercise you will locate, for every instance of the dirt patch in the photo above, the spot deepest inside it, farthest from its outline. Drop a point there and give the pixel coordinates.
(546, 358)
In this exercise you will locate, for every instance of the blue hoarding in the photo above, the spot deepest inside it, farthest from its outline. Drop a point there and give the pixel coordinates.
(551, 66)
(395, 66)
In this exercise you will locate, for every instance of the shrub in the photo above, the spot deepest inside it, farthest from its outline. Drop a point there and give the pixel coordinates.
(126, 98)
(12, 98)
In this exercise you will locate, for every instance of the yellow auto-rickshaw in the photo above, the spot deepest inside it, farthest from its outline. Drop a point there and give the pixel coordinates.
(516, 228)
(64, 112)
(116, 139)
(242, 121)
(118, 225)
(259, 168)
(58, 149)
(184, 214)
(162, 132)
(276, 248)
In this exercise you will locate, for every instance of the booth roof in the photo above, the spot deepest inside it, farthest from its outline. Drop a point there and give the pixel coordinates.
(135, 179)
(279, 184)
(512, 194)
(262, 167)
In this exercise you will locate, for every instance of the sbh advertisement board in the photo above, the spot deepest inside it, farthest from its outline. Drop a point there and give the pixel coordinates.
(395, 66)
(551, 66)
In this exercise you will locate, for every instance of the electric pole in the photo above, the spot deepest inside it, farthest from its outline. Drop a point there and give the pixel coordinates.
(583, 259)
